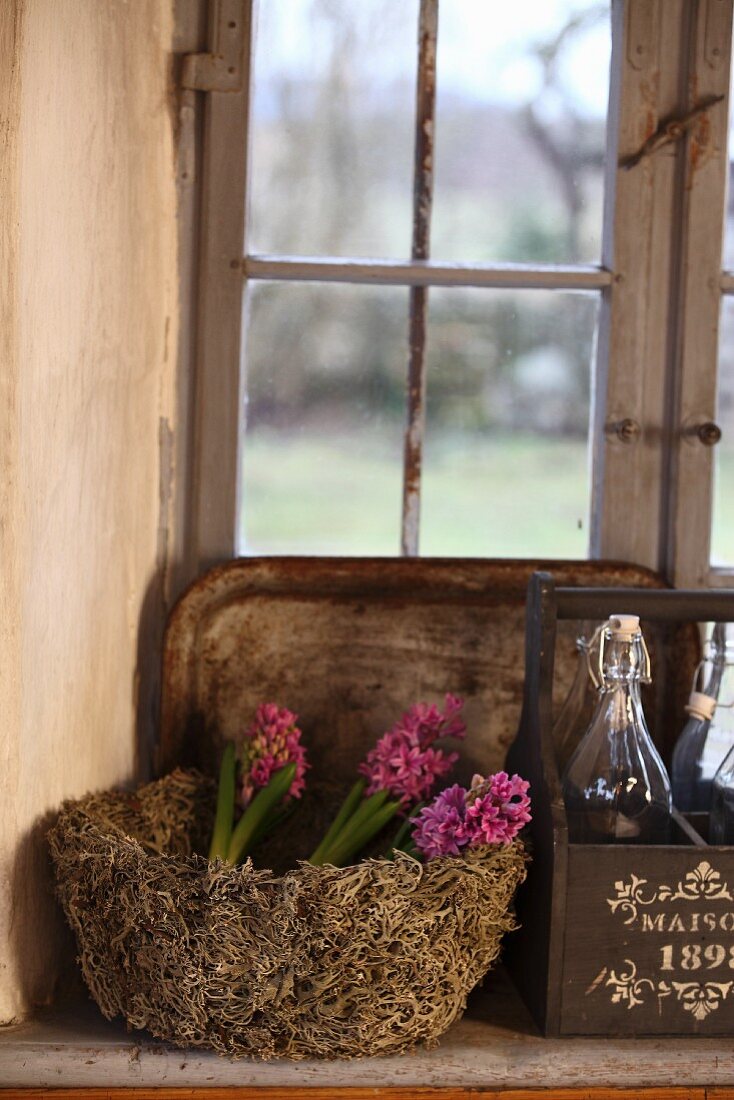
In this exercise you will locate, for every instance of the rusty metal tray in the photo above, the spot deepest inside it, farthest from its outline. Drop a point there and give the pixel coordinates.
(349, 643)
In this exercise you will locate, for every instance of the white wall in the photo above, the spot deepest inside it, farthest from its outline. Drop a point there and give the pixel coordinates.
(88, 323)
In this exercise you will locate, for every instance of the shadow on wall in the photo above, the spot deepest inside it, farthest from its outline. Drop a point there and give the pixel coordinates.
(40, 939)
(147, 685)
(43, 948)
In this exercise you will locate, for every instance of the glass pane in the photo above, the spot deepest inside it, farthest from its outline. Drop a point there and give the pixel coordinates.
(728, 249)
(332, 127)
(506, 470)
(520, 130)
(722, 532)
(322, 449)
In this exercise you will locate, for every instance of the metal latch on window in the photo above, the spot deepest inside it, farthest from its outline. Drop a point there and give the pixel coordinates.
(669, 132)
(221, 69)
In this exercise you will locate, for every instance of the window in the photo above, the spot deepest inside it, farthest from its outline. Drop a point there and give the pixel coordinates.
(438, 208)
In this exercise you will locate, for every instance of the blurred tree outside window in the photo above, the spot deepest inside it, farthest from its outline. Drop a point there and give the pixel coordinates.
(521, 105)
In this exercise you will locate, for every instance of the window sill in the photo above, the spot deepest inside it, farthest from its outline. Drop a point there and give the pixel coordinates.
(495, 1046)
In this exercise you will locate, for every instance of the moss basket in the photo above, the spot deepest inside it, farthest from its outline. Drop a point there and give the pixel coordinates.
(317, 962)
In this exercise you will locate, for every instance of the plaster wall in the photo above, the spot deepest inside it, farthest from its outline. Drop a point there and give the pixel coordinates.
(88, 317)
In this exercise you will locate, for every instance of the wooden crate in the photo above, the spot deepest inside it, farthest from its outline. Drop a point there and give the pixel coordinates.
(616, 940)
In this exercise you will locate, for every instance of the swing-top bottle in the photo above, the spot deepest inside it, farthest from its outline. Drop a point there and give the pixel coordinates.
(616, 788)
(705, 740)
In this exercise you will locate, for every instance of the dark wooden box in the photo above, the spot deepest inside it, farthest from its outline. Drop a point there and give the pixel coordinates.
(616, 940)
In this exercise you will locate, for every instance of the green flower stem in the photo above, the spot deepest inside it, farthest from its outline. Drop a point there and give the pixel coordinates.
(225, 805)
(399, 841)
(368, 807)
(275, 818)
(364, 812)
(348, 807)
(257, 812)
(349, 845)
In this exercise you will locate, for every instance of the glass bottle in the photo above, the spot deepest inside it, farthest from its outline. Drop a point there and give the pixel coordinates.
(615, 787)
(578, 707)
(700, 748)
(721, 818)
(691, 788)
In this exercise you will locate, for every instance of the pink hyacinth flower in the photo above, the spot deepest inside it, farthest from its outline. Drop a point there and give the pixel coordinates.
(404, 762)
(492, 811)
(272, 741)
(439, 828)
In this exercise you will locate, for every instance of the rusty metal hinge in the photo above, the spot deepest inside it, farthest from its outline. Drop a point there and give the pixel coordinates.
(221, 69)
(670, 131)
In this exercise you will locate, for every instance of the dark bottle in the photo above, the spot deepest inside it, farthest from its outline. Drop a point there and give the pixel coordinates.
(616, 788)
(691, 788)
(703, 742)
(721, 818)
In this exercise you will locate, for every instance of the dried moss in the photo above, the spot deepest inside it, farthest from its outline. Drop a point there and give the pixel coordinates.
(318, 962)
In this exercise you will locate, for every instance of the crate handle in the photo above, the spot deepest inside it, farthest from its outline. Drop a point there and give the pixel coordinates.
(656, 604)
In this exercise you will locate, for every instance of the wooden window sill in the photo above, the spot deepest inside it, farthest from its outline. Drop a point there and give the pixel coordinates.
(495, 1048)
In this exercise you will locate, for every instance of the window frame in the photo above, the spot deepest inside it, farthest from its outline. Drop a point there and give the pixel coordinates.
(660, 280)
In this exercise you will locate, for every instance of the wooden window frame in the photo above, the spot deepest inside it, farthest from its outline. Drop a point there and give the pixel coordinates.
(702, 283)
(658, 337)
(660, 281)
